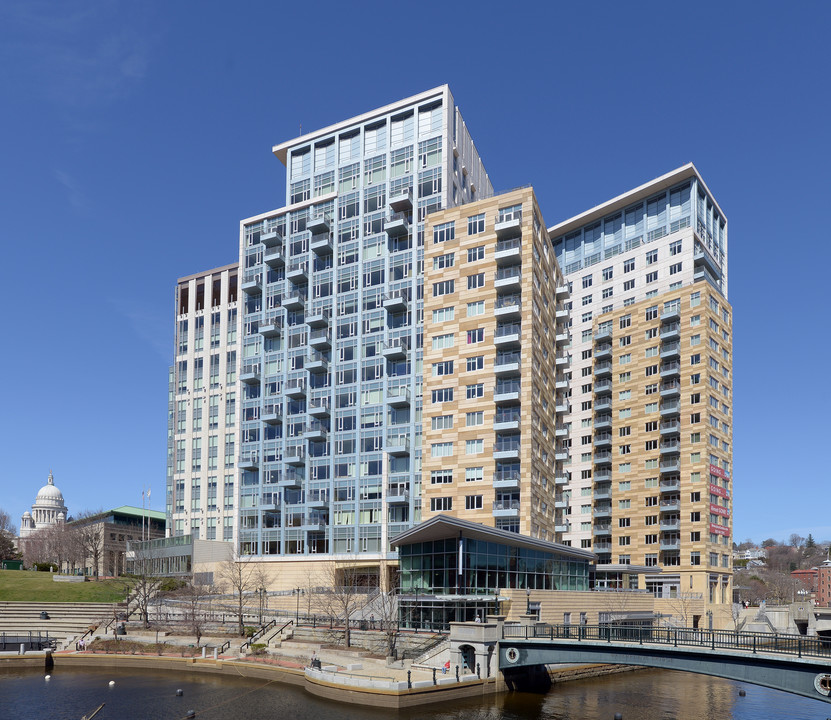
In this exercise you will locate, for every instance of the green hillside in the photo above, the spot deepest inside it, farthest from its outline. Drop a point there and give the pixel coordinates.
(24, 585)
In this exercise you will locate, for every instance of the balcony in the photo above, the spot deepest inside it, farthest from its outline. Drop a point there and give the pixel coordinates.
(318, 408)
(703, 259)
(503, 425)
(506, 480)
(670, 388)
(603, 402)
(562, 336)
(602, 546)
(562, 527)
(671, 314)
(317, 318)
(249, 461)
(670, 427)
(603, 368)
(508, 307)
(295, 455)
(317, 499)
(670, 350)
(508, 278)
(397, 445)
(670, 369)
(397, 225)
(670, 447)
(402, 201)
(253, 284)
(506, 451)
(398, 397)
(602, 474)
(507, 227)
(602, 386)
(271, 238)
(272, 414)
(507, 334)
(296, 388)
(602, 491)
(603, 422)
(603, 351)
(506, 508)
(316, 431)
(562, 359)
(317, 363)
(396, 349)
(270, 328)
(250, 374)
(670, 504)
(314, 523)
(603, 335)
(602, 510)
(507, 362)
(563, 406)
(561, 314)
(561, 431)
(294, 301)
(671, 331)
(603, 440)
(562, 292)
(396, 301)
(670, 543)
(670, 408)
(602, 457)
(297, 273)
(274, 257)
(289, 480)
(602, 529)
(508, 252)
(563, 479)
(670, 484)
(398, 494)
(507, 392)
(320, 339)
(318, 224)
(670, 465)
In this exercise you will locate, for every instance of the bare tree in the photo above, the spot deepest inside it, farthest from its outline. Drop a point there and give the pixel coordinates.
(342, 596)
(147, 582)
(195, 592)
(90, 538)
(239, 576)
(685, 607)
(6, 524)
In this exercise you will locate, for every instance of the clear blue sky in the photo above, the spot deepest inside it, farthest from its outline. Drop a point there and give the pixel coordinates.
(135, 136)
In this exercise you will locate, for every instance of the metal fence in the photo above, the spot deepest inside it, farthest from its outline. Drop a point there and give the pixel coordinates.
(795, 645)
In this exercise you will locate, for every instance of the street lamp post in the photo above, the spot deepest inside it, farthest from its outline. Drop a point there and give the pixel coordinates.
(297, 592)
(527, 601)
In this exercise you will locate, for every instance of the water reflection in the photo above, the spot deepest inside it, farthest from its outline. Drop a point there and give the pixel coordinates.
(644, 695)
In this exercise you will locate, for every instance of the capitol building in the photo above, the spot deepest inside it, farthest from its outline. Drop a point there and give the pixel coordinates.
(48, 509)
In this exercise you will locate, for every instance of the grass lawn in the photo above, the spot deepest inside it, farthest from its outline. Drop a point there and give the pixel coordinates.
(24, 585)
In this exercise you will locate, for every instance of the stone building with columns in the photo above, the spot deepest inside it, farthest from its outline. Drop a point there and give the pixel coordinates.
(48, 509)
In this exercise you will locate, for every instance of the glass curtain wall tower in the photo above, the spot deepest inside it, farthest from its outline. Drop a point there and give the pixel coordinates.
(332, 329)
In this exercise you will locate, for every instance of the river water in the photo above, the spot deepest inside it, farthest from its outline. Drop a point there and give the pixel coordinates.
(150, 695)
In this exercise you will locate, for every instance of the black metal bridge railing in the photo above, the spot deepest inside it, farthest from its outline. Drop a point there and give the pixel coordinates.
(749, 642)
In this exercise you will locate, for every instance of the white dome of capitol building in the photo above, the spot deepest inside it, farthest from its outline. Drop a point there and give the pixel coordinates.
(48, 509)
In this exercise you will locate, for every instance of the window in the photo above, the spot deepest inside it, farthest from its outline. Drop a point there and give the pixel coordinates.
(444, 449)
(629, 265)
(445, 287)
(474, 447)
(475, 363)
(652, 313)
(444, 232)
(625, 359)
(651, 426)
(652, 276)
(476, 253)
(473, 474)
(475, 391)
(695, 558)
(474, 418)
(473, 502)
(651, 257)
(476, 224)
(608, 292)
(442, 342)
(624, 522)
(675, 268)
(625, 377)
(628, 285)
(625, 321)
(442, 395)
(623, 540)
(444, 261)
(475, 336)
(695, 299)
(695, 359)
(475, 281)
(625, 431)
(441, 477)
(476, 308)
(441, 422)
(675, 248)
(441, 503)
(651, 370)
(444, 314)
(608, 273)
(587, 281)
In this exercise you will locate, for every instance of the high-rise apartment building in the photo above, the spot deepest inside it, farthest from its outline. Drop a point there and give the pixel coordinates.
(495, 323)
(202, 407)
(650, 479)
(331, 377)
